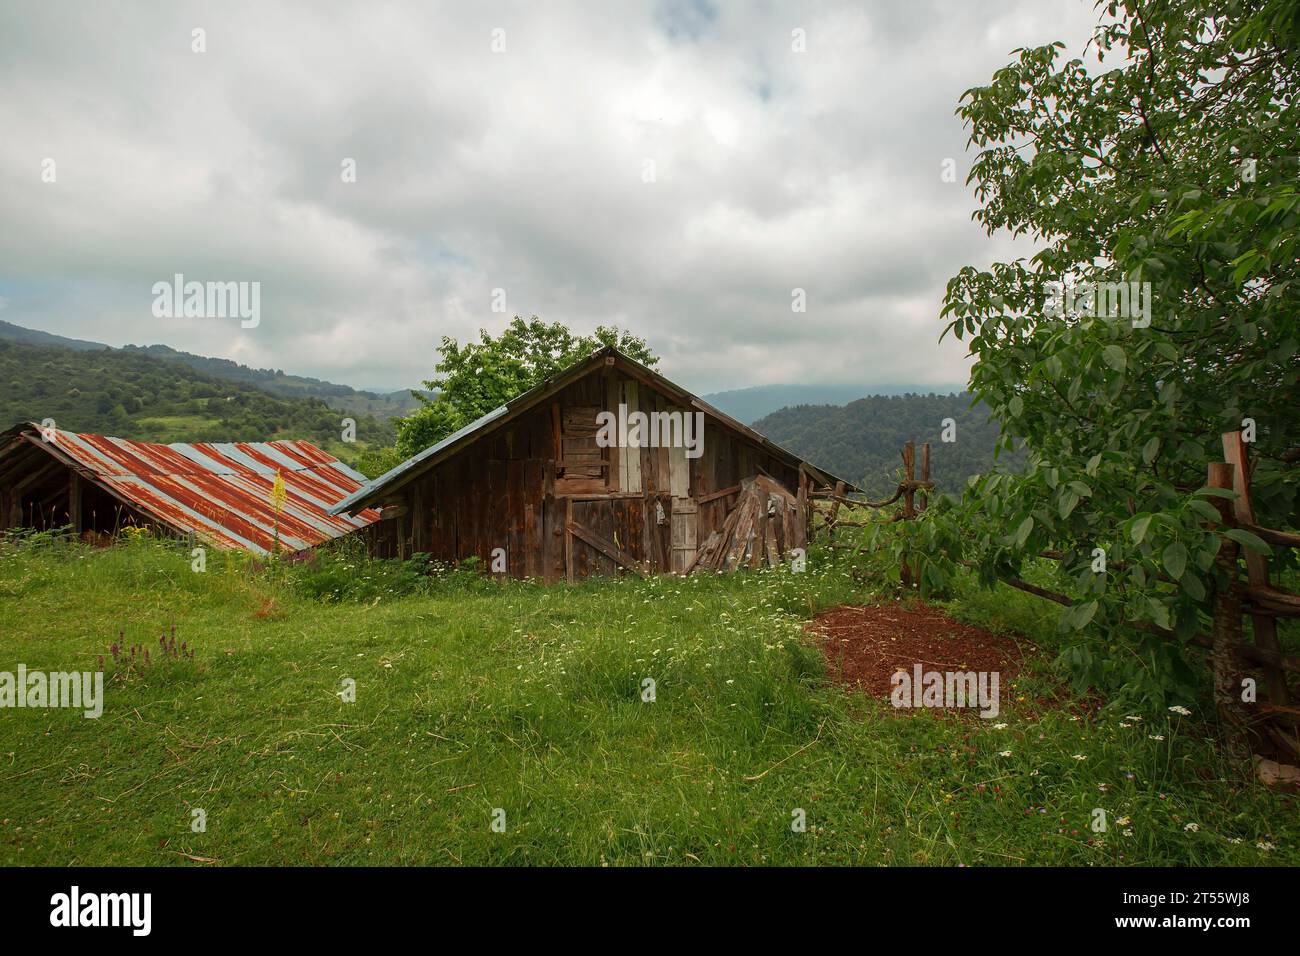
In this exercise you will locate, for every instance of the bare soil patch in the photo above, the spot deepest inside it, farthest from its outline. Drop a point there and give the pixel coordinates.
(864, 646)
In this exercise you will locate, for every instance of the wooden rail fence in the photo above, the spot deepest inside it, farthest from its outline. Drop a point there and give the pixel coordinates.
(913, 492)
(1275, 718)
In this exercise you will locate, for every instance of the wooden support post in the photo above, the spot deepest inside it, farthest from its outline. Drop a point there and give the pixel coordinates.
(1225, 636)
(805, 505)
(909, 476)
(1263, 626)
(925, 474)
(905, 575)
(835, 511)
(74, 502)
(568, 540)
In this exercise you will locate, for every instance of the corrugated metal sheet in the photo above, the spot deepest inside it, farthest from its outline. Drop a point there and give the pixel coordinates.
(222, 491)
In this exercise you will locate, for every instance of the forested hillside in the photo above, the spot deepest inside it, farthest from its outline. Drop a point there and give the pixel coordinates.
(861, 441)
(278, 382)
(748, 405)
(382, 405)
(130, 395)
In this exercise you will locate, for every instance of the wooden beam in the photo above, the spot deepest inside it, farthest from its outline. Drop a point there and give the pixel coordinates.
(1271, 602)
(909, 487)
(805, 505)
(713, 495)
(556, 436)
(1284, 539)
(74, 502)
(835, 510)
(606, 547)
(49, 469)
(925, 474)
(568, 541)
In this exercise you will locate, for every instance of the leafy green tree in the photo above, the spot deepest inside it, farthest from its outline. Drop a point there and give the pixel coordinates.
(479, 376)
(1175, 167)
(374, 462)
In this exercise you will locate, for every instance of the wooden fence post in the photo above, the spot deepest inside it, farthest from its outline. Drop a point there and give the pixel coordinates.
(925, 475)
(905, 575)
(1263, 626)
(835, 511)
(805, 505)
(1225, 648)
(909, 478)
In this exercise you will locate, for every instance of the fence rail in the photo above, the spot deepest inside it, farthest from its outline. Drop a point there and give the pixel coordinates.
(827, 502)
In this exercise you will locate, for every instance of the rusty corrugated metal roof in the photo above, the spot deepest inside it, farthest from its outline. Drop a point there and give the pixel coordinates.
(221, 491)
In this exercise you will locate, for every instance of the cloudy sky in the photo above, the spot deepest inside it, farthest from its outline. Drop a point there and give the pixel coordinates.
(676, 168)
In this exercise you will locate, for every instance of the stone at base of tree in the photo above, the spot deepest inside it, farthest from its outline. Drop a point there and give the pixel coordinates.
(1271, 773)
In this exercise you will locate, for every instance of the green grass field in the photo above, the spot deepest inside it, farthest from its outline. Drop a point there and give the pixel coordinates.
(474, 697)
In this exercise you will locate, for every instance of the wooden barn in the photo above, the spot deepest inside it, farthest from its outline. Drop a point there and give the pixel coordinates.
(605, 466)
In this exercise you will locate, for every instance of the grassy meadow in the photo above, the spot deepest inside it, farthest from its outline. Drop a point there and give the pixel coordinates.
(474, 697)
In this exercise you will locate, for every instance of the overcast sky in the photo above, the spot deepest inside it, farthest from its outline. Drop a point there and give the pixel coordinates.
(522, 169)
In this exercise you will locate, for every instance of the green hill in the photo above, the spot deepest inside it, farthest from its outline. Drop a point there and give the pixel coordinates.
(382, 405)
(862, 440)
(128, 394)
(748, 405)
(277, 382)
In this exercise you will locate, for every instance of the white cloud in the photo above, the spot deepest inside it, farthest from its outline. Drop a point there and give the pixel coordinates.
(520, 170)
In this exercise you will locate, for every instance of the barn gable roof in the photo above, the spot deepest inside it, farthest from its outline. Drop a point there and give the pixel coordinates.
(607, 355)
(219, 491)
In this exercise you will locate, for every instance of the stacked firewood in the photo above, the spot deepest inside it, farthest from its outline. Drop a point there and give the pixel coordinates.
(763, 527)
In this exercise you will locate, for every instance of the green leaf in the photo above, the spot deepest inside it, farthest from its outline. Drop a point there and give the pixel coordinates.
(1248, 540)
(1022, 533)
(1150, 449)
(1175, 559)
(1159, 612)
(1139, 529)
(1114, 356)
(1082, 614)
(1068, 502)
(1209, 491)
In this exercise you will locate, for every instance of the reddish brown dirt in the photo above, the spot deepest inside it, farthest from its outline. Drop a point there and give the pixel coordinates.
(864, 646)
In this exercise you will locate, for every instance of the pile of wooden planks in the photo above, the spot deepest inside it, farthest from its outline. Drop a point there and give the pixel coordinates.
(763, 527)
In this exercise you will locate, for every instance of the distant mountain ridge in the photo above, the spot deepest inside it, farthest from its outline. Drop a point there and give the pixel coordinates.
(862, 440)
(748, 405)
(383, 406)
(16, 333)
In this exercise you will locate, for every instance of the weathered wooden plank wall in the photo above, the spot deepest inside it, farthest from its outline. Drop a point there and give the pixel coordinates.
(520, 486)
